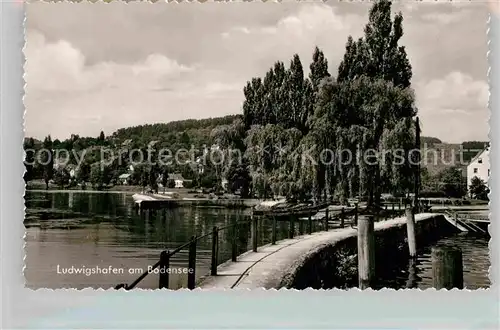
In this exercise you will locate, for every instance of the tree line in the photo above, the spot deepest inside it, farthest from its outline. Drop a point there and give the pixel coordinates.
(367, 103)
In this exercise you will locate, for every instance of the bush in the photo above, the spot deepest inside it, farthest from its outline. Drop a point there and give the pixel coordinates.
(432, 194)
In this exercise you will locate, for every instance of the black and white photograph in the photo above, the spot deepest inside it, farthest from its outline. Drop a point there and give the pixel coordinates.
(257, 145)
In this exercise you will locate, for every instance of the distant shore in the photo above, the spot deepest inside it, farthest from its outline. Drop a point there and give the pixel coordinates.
(183, 196)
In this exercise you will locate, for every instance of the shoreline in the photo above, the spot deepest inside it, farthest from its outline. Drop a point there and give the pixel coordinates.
(58, 191)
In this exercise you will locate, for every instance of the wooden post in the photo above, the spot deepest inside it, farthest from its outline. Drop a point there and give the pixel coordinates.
(254, 234)
(412, 274)
(309, 224)
(301, 227)
(417, 168)
(447, 268)
(273, 238)
(192, 264)
(234, 243)
(215, 250)
(342, 218)
(164, 269)
(366, 252)
(326, 218)
(291, 229)
(355, 219)
(393, 205)
(410, 229)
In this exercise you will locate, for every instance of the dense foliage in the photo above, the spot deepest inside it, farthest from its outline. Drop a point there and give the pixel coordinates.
(293, 137)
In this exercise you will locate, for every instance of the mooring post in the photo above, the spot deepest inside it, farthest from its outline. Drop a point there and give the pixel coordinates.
(234, 244)
(164, 269)
(254, 234)
(291, 226)
(366, 252)
(355, 219)
(192, 263)
(215, 250)
(447, 268)
(412, 274)
(301, 227)
(410, 229)
(309, 224)
(342, 218)
(326, 218)
(273, 238)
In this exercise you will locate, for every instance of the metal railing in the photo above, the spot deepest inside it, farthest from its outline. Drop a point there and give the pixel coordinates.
(166, 255)
(464, 222)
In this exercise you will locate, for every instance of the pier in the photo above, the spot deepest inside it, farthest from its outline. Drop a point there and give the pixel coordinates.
(159, 201)
(281, 263)
(277, 266)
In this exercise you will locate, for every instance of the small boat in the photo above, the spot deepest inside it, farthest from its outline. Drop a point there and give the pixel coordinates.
(138, 198)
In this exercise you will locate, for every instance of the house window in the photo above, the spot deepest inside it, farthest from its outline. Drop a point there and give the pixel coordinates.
(488, 172)
(475, 170)
(480, 161)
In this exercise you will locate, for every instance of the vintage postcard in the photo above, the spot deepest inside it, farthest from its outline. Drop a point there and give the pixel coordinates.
(257, 145)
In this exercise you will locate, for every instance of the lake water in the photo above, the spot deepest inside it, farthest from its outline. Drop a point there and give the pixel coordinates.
(103, 232)
(418, 273)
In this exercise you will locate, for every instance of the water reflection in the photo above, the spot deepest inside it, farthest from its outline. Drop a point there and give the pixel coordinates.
(418, 273)
(100, 230)
(104, 230)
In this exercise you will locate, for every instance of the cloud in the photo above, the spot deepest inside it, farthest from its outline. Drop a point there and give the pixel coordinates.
(454, 108)
(455, 92)
(64, 95)
(311, 19)
(298, 32)
(137, 73)
(443, 18)
(59, 66)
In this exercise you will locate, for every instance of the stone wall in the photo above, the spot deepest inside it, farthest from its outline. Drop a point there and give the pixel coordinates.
(335, 265)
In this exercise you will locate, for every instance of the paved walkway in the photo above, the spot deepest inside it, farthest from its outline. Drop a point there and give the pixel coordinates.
(267, 267)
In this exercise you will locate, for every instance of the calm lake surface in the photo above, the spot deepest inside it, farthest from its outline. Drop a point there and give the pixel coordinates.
(102, 231)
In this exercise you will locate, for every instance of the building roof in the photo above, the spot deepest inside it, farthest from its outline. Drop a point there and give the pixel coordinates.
(124, 176)
(479, 154)
(127, 142)
(175, 176)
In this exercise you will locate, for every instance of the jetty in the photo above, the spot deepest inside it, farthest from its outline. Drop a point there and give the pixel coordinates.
(158, 201)
(281, 264)
(331, 223)
(468, 222)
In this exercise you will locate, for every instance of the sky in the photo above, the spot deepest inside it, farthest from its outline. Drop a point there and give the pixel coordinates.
(92, 67)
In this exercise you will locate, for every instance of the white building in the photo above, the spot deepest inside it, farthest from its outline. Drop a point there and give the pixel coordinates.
(224, 183)
(479, 167)
(178, 180)
(124, 178)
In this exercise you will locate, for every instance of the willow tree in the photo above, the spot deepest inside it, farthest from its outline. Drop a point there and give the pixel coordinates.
(375, 99)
